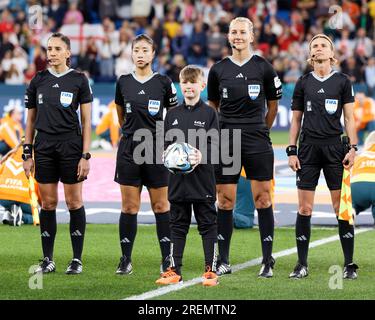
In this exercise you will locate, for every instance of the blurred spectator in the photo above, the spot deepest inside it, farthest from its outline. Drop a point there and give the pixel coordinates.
(364, 115)
(140, 10)
(370, 76)
(344, 45)
(215, 42)
(352, 69)
(30, 73)
(180, 43)
(57, 12)
(6, 45)
(40, 58)
(363, 44)
(293, 73)
(352, 9)
(107, 9)
(171, 26)
(123, 64)
(11, 130)
(106, 59)
(198, 45)
(73, 15)
(6, 21)
(178, 64)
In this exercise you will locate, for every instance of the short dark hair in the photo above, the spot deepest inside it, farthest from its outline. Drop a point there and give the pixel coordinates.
(64, 39)
(191, 73)
(143, 37)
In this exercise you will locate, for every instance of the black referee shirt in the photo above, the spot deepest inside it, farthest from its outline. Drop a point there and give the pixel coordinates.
(56, 98)
(199, 185)
(144, 101)
(321, 101)
(243, 89)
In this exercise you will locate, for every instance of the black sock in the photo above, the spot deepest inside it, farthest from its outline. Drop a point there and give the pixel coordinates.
(48, 228)
(177, 251)
(210, 252)
(266, 230)
(224, 233)
(77, 231)
(346, 233)
(164, 233)
(128, 231)
(303, 232)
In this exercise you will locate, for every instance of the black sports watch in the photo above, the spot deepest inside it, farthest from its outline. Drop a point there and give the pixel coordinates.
(86, 156)
(26, 156)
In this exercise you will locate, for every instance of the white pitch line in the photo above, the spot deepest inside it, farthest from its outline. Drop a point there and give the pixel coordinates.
(170, 288)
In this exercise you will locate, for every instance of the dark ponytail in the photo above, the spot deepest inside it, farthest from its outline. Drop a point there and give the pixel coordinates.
(64, 39)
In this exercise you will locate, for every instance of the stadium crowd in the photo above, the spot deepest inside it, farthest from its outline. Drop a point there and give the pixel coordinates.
(185, 32)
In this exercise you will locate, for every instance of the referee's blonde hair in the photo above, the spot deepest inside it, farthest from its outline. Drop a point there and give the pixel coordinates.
(242, 19)
(333, 60)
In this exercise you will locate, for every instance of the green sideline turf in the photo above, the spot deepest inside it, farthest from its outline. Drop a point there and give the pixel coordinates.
(21, 249)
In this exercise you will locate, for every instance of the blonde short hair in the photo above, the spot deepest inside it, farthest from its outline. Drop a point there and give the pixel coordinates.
(323, 36)
(242, 19)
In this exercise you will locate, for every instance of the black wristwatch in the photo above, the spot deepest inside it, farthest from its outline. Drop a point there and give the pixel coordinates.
(26, 156)
(354, 146)
(86, 156)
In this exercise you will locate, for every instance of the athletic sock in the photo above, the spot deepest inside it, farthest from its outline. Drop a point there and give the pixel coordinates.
(210, 252)
(224, 233)
(48, 227)
(177, 251)
(164, 233)
(266, 230)
(77, 231)
(346, 233)
(128, 231)
(303, 232)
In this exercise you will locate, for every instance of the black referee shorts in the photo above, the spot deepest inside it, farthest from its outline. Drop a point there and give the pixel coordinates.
(57, 160)
(204, 212)
(256, 154)
(128, 173)
(313, 158)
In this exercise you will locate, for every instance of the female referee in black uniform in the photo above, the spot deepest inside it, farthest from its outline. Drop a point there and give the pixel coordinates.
(240, 86)
(141, 98)
(61, 147)
(319, 98)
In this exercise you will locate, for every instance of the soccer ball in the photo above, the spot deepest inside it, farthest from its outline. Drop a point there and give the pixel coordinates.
(176, 158)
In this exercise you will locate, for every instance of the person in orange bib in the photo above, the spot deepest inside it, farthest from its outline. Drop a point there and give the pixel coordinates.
(363, 177)
(108, 129)
(15, 195)
(364, 114)
(11, 130)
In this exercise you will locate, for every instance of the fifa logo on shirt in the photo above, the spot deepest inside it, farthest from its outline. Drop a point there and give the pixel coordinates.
(128, 108)
(308, 106)
(225, 93)
(254, 90)
(40, 98)
(331, 105)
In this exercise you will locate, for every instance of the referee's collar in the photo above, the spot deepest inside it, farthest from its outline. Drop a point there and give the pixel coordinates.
(188, 106)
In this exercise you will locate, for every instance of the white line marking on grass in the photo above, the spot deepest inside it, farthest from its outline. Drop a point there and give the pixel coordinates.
(170, 288)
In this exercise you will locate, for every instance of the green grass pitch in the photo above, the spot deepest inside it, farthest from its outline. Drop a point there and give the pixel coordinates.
(21, 249)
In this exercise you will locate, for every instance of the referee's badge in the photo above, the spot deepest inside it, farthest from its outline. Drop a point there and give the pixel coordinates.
(254, 90)
(153, 107)
(331, 105)
(66, 99)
